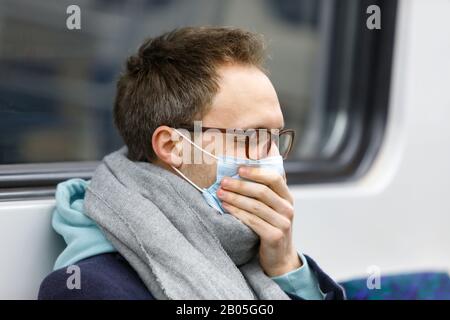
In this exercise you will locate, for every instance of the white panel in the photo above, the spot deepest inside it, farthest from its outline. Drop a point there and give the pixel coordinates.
(28, 247)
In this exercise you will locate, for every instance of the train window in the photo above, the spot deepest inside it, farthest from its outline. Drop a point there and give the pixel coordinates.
(57, 85)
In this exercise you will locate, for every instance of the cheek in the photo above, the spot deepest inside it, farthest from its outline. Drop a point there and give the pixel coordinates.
(204, 175)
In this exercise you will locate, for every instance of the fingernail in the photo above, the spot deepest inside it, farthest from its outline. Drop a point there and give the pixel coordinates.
(243, 170)
(220, 192)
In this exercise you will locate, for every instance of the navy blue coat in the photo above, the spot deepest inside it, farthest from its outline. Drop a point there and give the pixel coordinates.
(109, 276)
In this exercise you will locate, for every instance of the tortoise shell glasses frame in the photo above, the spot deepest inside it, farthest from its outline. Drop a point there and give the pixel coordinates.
(248, 135)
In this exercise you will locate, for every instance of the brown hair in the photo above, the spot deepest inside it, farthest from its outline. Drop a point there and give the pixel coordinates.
(172, 79)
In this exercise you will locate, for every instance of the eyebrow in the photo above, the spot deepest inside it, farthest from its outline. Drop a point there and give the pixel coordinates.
(260, 127)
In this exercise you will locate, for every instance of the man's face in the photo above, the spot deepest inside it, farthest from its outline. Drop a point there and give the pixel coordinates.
(246, 99)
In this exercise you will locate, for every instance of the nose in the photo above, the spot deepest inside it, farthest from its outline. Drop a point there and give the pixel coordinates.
(273, 151)
(263, 153)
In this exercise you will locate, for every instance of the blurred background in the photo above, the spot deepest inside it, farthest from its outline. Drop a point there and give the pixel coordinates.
(58, 85)
(370, 167)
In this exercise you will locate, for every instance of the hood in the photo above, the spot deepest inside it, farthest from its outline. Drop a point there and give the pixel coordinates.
(83, 237)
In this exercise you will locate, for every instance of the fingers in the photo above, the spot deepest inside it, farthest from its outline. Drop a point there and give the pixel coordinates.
(260, 192)
(268, 233)
(255, 207)
(269, 178)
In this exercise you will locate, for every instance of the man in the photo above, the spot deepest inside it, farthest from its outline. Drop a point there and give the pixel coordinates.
(196, 206)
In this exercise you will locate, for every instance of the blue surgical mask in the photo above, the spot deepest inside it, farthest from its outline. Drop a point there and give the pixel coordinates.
(228, 167)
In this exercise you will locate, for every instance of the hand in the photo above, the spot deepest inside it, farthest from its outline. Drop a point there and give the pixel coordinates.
(266, 206)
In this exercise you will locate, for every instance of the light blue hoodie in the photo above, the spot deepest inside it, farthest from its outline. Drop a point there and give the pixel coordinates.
(82, 236)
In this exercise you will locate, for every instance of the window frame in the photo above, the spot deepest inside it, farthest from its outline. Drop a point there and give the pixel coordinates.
(369, 100)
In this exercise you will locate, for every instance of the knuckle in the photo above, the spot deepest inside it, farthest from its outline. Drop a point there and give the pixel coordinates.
(230, 196)
(251, 219)
(278, 179)
(256, 206)
(237, 184)
(272, 179)
(286, 226)
(276, 237)
(289, 211)
(291, 198)
(262, 191)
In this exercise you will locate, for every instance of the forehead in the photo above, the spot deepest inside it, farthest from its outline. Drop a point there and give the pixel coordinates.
(246, 99)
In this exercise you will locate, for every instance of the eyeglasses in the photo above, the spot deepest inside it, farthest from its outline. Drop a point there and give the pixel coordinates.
(257, 142)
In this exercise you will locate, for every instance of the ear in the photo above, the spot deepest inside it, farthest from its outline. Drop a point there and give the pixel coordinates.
(166, 144)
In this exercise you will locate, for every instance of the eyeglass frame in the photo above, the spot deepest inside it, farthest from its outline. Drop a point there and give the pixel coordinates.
(291, 132)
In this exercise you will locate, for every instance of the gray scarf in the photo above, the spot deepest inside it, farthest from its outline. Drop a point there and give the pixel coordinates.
(180, 247)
